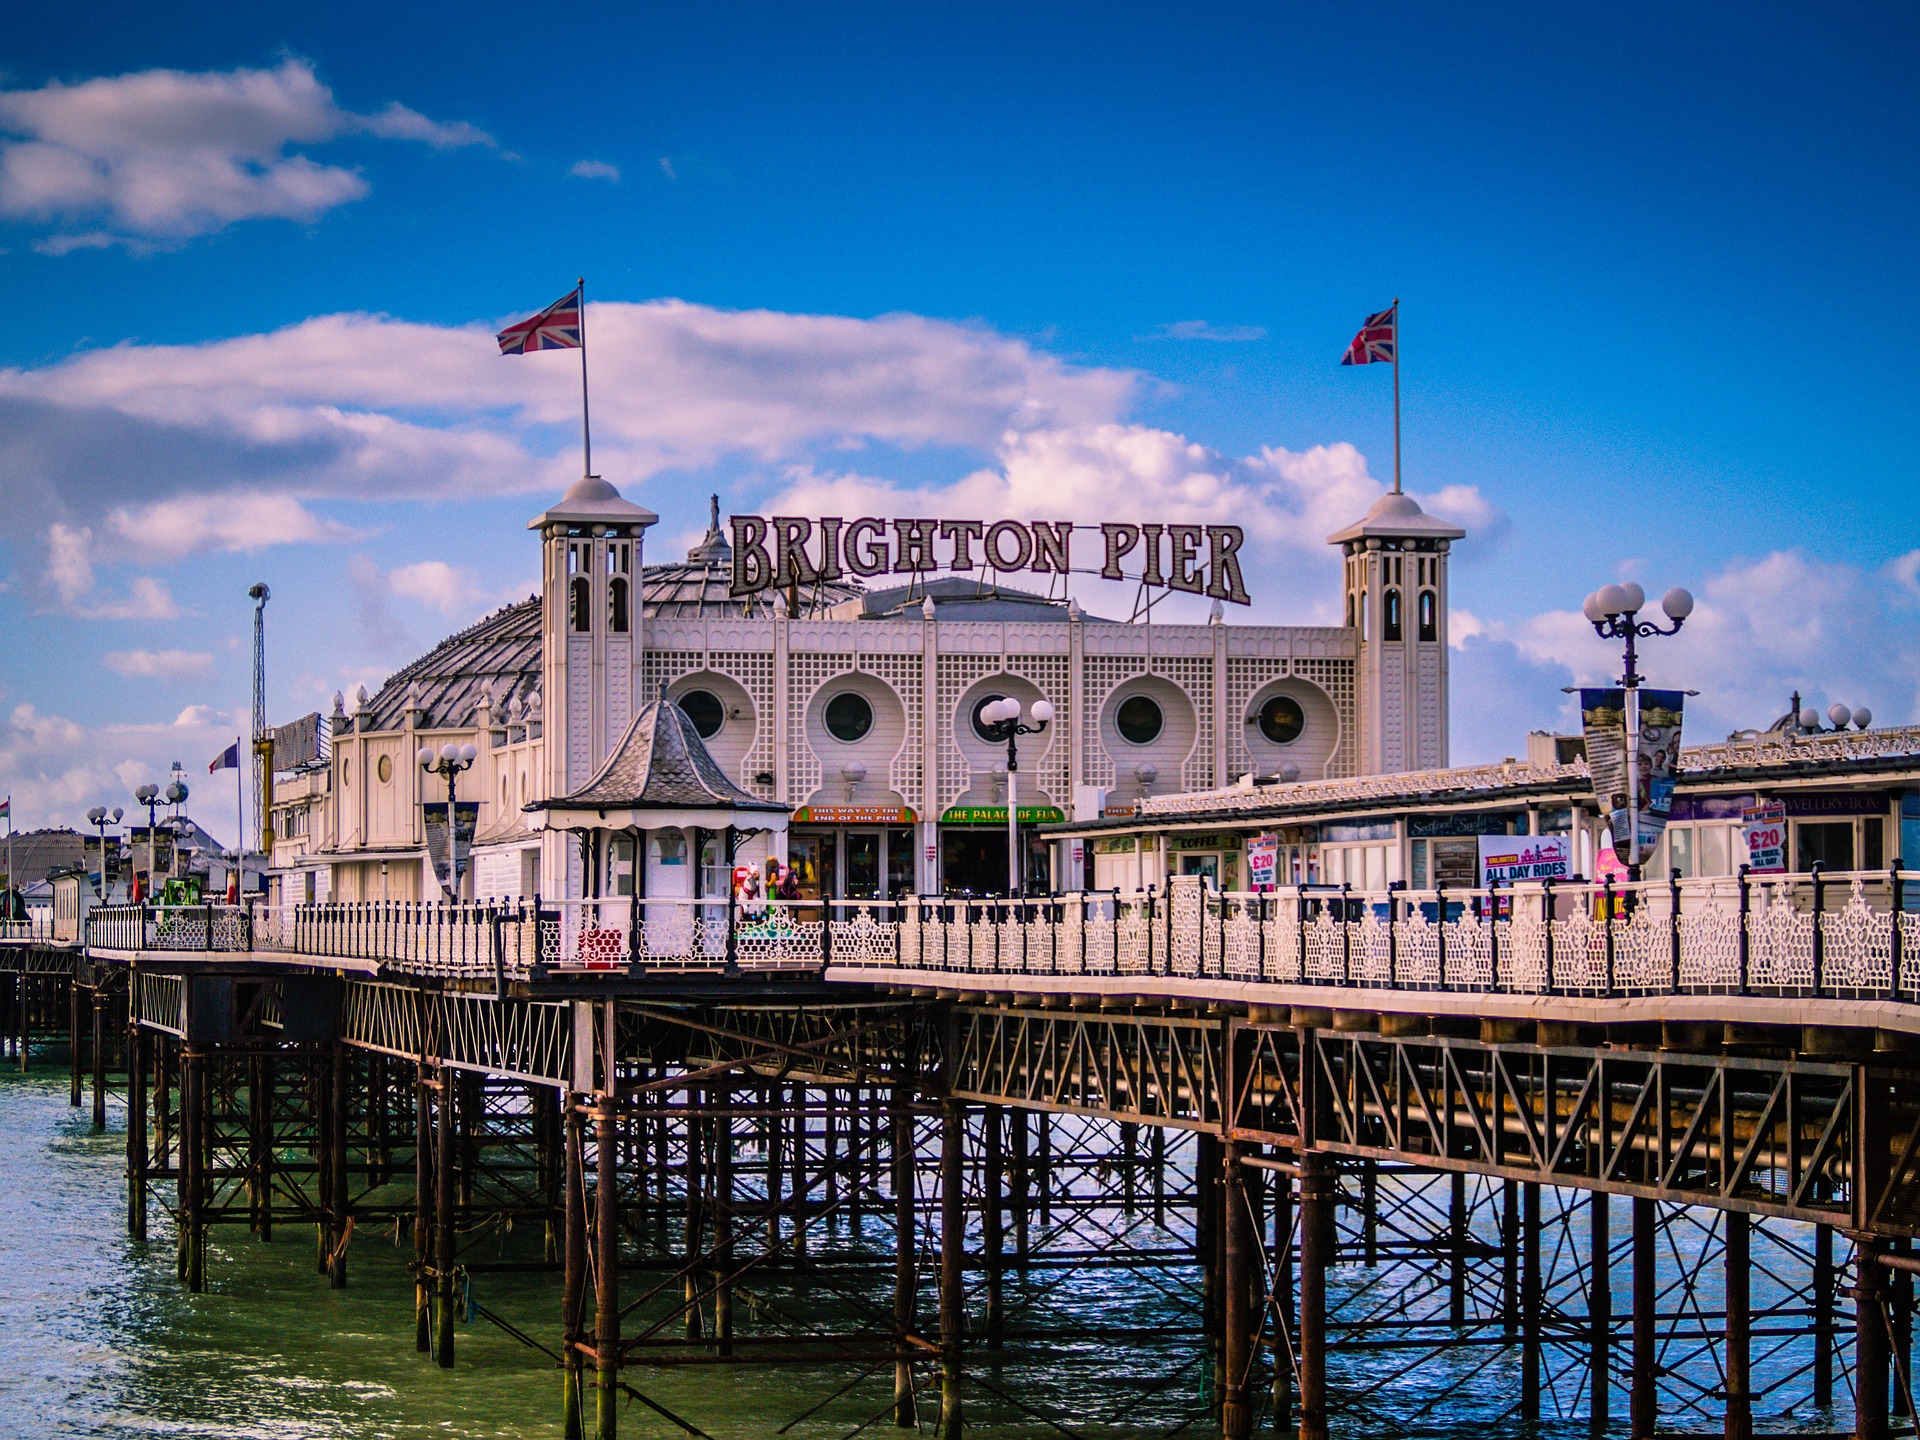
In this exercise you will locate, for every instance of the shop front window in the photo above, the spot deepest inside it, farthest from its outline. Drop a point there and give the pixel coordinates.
(1826, 843)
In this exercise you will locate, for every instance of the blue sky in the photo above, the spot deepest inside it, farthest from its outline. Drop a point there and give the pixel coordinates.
(1655, 270)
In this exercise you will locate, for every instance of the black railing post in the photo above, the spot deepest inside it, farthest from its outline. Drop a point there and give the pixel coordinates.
(1440, 926)
(1744, 942)
(1260, 931)
(1149, 929)
(208, 944)
(1346, 933)
(1606, 926)
(1898, 901)
(1673, 923)
(733, 938)
(1166, 965)
(1819, 939)
(537, 967)
(1393, 935)
(1493, 935)
(1546, 907)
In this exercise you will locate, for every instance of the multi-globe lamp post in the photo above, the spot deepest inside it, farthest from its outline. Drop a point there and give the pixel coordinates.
(100, 817)
(1001, 720)
(153, 797)
(449, 760)
(1614, 612)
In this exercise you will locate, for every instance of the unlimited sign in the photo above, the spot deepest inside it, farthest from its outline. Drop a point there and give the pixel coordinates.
(771, 554)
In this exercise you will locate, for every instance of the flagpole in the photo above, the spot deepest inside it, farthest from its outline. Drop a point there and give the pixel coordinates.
(1396, 392)
(240, 821)
(586, 437)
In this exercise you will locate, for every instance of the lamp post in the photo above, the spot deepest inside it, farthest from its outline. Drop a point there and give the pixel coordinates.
(100, 817)
(449, 760)
(149, 796)
(1614, 612)
(1000, 720)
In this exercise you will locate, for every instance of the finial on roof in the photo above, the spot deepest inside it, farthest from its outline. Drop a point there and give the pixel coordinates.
(713, 548)
(1217, 614)
(926, 608)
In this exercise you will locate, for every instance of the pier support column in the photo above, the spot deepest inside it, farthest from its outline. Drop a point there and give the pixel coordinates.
(1869, 1342)
(953, 1255)
(695, 1232)
(1644, 1395)
(1021, 1178)
(606, 1257)
(193, 1186)
(1316, 1247)
(723, 1227)
(1823, 1282)
(992, 1220)
(905, 1413)
(1530, 1349)
(136, 1131)
(99, 1040)
(423, 1208)
(1284, 1330)
(1739, 1421)
(1457, 1219)
(339, 1215)
(73, 1044)
(1599, 1313)
(446, 1142)
(573, 1187)
(1236, 1408)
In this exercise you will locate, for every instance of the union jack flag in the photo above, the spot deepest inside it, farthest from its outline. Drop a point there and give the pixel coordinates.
(1379, 338)
(555, 328)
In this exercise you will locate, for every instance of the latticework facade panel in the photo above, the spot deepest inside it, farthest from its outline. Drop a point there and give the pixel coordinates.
(1337, 679)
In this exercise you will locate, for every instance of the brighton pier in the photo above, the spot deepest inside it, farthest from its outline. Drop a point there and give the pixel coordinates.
(1132, 1147)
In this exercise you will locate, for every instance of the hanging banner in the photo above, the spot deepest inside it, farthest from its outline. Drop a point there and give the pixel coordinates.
(1507, 858)
(1764, 828)
(466, 816)
(1603, 719)
(1659, 762)
(1263, 860)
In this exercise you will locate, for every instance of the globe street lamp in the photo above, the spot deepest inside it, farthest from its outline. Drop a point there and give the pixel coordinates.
(449, 760)
(149, 796)
(100, 817)
(1000, 720)
(1614, 612)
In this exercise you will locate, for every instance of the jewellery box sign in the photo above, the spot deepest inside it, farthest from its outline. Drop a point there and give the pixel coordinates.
(773, 553)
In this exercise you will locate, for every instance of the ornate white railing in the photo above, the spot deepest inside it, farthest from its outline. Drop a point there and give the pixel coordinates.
(1853, 935)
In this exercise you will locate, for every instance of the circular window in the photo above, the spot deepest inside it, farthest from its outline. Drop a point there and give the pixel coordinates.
(1139, 720)
(849, 717)
(1282, 720)
(704, 709)
(980, 727)
(383, 767)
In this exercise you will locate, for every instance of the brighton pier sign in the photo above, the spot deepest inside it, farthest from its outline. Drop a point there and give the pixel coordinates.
(774, 553)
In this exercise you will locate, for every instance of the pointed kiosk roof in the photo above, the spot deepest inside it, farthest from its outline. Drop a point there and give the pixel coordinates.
(592, 501)
(661, 776)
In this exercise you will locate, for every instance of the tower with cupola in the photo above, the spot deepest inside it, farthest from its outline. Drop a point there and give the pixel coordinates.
(1394, 592)
(591, 640)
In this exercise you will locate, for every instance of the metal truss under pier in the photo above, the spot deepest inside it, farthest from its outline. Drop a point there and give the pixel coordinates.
(917, 1193)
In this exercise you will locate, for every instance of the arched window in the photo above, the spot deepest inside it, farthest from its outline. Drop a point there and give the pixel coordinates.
(1390, 616)
(580, 621)
(1364, 636)
(617, 605)
(1350, 604)
(1429, 616)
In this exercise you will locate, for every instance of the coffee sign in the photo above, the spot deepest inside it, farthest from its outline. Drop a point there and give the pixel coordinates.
(771, 554)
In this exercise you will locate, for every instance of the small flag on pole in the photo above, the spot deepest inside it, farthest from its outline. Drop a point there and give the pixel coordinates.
(227, 759)
(555, 328)
(1378, 340)
(6, 808)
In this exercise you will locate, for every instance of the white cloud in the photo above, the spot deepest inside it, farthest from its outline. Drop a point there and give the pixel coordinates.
(55, 768)
(159, 664)
(1205, 330)
(186, 524)
(70, 581)
(666, 168)
(165, 155)
(595, 170)
(449, 589)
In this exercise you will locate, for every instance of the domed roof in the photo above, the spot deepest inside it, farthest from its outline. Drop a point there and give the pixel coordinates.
(702, 584)
(591, 500)
(1397, 515)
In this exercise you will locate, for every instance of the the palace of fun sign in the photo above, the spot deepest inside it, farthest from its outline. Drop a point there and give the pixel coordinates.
(772, 554)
